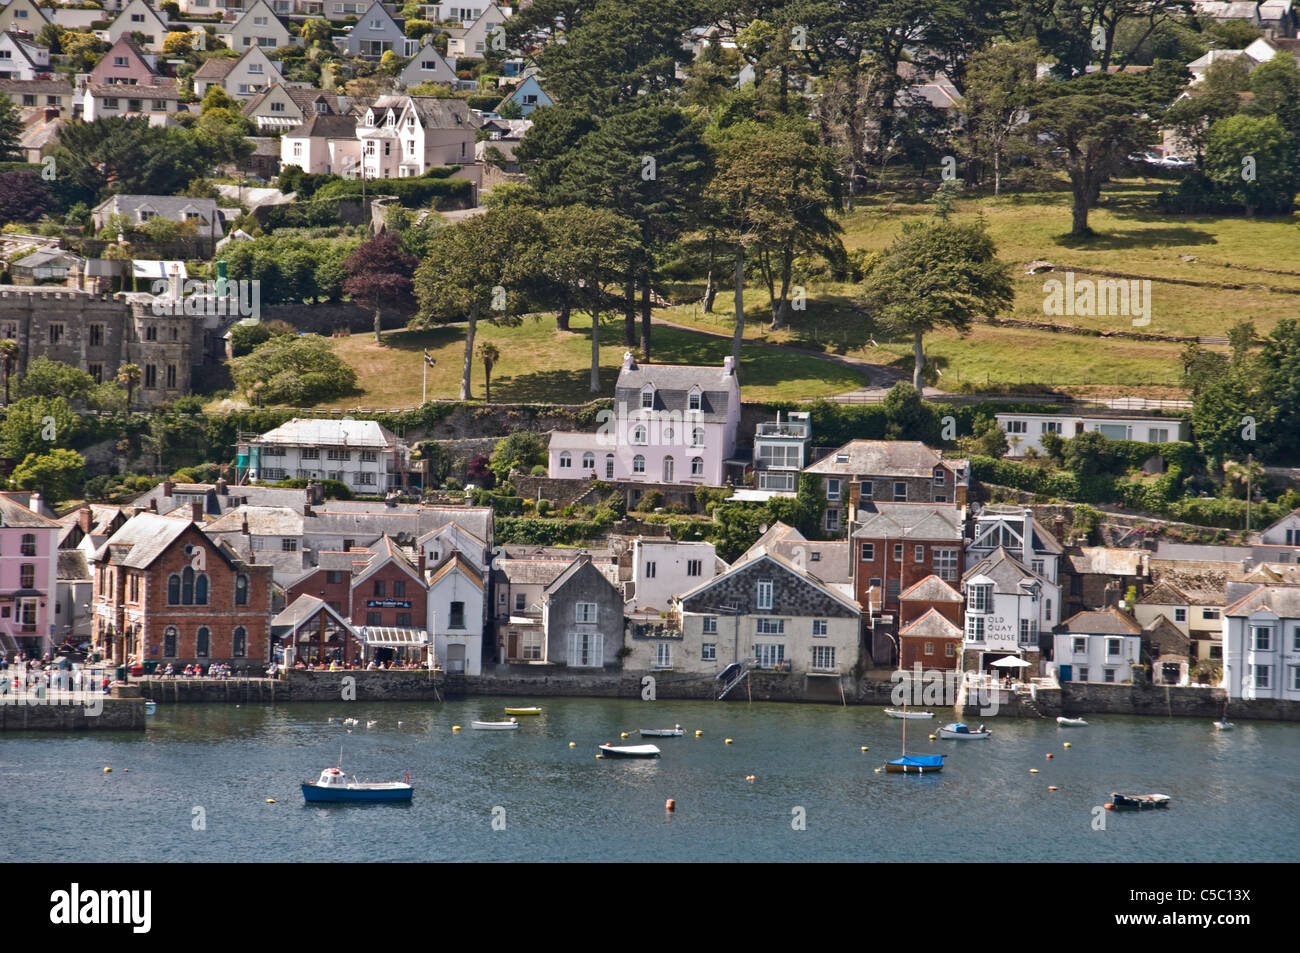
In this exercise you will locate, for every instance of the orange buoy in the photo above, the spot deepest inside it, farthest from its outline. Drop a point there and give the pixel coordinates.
(750, 777)
(1110, 807)
(670, 805)
(1049, 757)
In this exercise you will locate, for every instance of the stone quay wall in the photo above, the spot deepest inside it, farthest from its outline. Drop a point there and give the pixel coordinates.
(54, 713)
(297, 686)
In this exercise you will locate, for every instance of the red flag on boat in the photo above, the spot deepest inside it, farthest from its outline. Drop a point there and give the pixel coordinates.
(408, 777)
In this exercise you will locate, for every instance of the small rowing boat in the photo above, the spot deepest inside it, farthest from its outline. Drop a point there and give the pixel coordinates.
(523, 711)
(150, 706)
(901, 713)
(1070, 722)
(674, 732)
(629, 751)
(1137, 802)
(495, 725)
(964, 732)
(1224, 725)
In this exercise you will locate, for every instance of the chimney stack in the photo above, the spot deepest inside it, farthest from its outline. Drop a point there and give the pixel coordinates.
(1058, 528)
(728, 365)
(223, 488)
(174, 283)
(34, 503)
(243, 525)
(168, 486)
(1027, 550)
(629, 362)
(420, 562)
(306, 508)
(196, 512)
(85, 518)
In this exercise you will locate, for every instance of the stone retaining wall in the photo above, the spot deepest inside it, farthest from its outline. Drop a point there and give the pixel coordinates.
(117, 714)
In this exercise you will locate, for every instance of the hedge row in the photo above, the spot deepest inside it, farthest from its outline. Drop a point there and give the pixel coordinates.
(412, 193)
(531, 530)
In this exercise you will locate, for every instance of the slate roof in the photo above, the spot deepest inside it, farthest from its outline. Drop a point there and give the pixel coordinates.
(329, 433)
(165, 89)
(904, 458)
(457, 561)
(217, 503)
(672, 384)
(1199, 589)
(142, 539)
(804, 575)
(1008, 572)
(43, 87)
(325, 126)
(167, 206)
(218, 67)
(1100, 622)
(434, 112)
(13, 513)
(262, 521)
(303, 98)
(531, 572)
(1108, 561)
(931, 624)
(931, 521)
(1283, 601)
(1167, 634)
(931, 589)
(72, 565)
(301, 610)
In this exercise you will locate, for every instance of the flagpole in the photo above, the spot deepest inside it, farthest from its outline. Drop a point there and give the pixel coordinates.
(425, 397)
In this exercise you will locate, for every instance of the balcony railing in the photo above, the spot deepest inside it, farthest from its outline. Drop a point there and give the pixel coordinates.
(654, 630)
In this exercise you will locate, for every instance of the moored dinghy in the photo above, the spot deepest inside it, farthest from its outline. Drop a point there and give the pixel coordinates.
(629, 751)
(523, 711)
(495, 725)
(1070, 722)
(1137, 802)
(674, 732)
(903, 713)
(963, 731)
(333, 786)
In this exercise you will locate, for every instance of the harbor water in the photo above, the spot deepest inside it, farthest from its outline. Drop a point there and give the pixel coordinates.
(195, 787)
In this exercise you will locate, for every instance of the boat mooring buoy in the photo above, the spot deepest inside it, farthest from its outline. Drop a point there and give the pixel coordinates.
(877, 770)
(932, 737)
(728, 741)
(750, 777)
(107, 769)
(1033, 770)
(670, 805)
(1109, 807)
(623, 735)
(1051, 787)
(1049, 757)
(599, 756)
(270, 800)
(573, 744)
(455, 727)
(865, 748)
(699, 733)
(1067, 744)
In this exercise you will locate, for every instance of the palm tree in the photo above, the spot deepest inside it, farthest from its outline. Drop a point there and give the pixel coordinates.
(487, 351)
(128, 375)
(8, 354)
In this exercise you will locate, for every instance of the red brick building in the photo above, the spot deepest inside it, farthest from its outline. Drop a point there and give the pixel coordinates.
(931, 641)
(164, 592)
(931, 593)
(896, 545)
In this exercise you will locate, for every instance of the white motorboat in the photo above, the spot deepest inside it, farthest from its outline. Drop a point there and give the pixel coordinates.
(1223, 725)
(1070, 722)
(495, 725)
(901, 713)
(958, 730)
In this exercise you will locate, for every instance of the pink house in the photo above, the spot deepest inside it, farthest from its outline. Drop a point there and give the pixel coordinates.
(670, 424)
(29, 573)
(127, 64)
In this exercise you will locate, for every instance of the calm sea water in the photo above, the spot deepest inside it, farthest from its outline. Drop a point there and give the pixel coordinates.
(1236, 795)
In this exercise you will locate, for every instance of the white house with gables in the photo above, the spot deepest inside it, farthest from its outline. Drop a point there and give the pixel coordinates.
(243, 78)
(138, 17)
(20, 58)
(22, 15)
(428, 66)
(377, 32)
(1261, 644)
(473, 40)
(403, 136)
(259, 26)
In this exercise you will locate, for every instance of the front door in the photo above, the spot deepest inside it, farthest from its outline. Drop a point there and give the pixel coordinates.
(1067, 672)
(512, 645)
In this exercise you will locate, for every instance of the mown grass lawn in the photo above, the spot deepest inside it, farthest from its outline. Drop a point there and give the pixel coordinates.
(1130, 237)
(542, 364)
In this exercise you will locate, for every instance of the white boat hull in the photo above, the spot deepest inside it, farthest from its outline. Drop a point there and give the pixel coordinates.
(899, 713)
(1071, 722)
(964, 735)
(495, 725)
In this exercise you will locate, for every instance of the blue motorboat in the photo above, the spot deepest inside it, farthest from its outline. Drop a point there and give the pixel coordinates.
(916, 764)
(333, 786)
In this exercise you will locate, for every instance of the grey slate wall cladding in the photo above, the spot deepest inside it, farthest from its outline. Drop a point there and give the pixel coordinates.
(587, 584)
(791, 594)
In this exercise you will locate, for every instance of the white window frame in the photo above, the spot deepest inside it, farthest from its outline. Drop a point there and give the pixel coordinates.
(763, 595)
(585, 612)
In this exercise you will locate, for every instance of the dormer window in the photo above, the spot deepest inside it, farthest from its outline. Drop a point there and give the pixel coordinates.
(694, 399)
(392, 121)
(647, 397)
(370, 117)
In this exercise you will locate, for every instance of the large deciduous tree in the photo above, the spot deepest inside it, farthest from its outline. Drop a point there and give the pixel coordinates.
(379, 271)
(483, 266)
(999, 88)
(936, 274)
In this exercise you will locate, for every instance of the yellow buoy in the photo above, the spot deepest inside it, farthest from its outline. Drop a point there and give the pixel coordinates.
(698, 733)
(623, 735)
(573, 744)
(1067, 744)
(865, 748)
(877, 770)
(455, 727)
(270, 800)
(932, 737)
(728, 741)
(599, 756)
(1033, 770)
(107, 770)
(1051, 787)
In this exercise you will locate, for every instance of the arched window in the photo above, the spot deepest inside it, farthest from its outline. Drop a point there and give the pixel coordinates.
(187, 587)
(668, 469)
(239, 642)
(201, 640)
(639, 434)
(566, 460)
(241, 590)
(693, 399)
(638, 464)
(29, 544)
(697, 466)
(201, 590)
(589, 461)
(169, 640)
(173, 590)
(697, 437)
(609, 466)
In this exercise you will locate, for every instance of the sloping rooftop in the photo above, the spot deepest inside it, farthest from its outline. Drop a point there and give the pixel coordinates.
(1283, 601)
(1101, 622)
(330, 433)
(931, 589)
(931, 625)
(13, 513)
(896, 521)
(325, 126)
(141, 540)
(904, 458)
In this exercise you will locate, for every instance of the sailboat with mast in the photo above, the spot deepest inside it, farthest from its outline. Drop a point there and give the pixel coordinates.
(914, 764)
